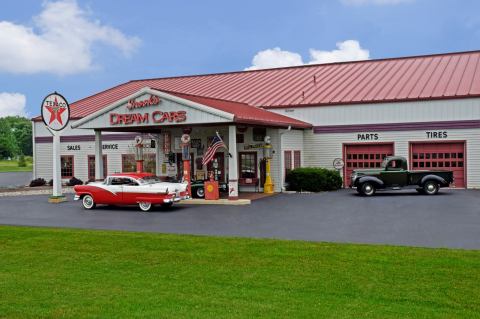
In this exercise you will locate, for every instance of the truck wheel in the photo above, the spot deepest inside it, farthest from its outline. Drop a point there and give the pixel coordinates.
(200, 192)
(88, 202)
(368, 189)
(145, 207)
(430, 187)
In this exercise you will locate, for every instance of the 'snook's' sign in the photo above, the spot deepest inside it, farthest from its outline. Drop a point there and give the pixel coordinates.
(156, 117)
(134, 104)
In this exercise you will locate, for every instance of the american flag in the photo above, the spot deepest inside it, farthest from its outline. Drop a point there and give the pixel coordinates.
(217, 143)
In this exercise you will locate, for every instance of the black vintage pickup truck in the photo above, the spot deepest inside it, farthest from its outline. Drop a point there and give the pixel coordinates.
(394, 175)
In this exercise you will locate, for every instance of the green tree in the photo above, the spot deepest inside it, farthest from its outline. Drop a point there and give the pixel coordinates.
(8, 143)
(21, 128)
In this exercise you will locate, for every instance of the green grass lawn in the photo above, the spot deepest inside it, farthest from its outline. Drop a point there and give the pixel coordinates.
(53, 273)
(12, 166)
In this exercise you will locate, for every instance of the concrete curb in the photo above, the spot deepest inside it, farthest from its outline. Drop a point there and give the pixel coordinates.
(196, 201)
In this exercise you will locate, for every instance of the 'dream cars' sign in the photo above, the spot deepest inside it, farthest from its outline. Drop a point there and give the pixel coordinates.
(156, 117)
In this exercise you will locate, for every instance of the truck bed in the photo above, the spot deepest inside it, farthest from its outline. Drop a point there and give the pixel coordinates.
(416, 176)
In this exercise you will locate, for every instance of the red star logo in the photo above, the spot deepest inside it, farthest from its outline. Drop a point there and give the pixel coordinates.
(55, 112)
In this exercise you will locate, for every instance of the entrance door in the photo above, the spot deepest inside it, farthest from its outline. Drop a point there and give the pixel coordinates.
(220, 157)
(449, 156)
(180, 166)
(359, 156)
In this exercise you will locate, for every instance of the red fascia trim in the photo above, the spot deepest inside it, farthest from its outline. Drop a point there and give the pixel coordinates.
(408, 126)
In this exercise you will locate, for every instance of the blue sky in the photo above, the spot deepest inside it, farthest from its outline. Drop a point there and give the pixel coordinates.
(81, 47)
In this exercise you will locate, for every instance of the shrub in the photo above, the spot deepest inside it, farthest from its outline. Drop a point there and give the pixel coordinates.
(21, 161)
(314, 179)
(37, 182)
(74, 181)
(50, 182)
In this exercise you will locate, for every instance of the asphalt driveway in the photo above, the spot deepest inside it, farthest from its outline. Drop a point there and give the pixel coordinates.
(450, 219)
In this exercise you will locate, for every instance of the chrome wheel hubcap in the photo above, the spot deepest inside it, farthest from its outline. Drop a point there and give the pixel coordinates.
(87, 201)
(431, 187)
(368, 188)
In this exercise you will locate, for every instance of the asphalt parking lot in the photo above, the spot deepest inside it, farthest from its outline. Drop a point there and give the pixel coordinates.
(15, 179)
(450, 219)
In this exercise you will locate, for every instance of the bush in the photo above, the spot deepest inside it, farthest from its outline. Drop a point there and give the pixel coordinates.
(314, 179)
(50, 182)
(74, 181)
(37, 182)
(21, 161)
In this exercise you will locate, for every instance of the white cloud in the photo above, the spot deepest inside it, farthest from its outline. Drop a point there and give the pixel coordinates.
(349, 50)
(274, 58)
(12, 104)
(373, 2)
(60, 43)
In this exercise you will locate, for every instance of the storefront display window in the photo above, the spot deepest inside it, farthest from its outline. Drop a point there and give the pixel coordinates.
(248, 165)
(66, 164)
(91, 166)
(128, 163)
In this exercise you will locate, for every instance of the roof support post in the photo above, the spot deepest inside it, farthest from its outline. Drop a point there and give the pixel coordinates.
(98, 156)
(158, 155)
(232, 163)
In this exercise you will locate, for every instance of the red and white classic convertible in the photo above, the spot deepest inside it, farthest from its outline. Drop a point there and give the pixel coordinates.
(142, 189)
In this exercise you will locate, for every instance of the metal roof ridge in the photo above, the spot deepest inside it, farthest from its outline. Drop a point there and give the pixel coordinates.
(311, 65)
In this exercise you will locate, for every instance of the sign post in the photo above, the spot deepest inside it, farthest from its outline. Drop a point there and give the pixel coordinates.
(55, 112)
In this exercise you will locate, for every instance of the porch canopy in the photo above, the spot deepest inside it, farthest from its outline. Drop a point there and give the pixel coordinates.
(149, 110)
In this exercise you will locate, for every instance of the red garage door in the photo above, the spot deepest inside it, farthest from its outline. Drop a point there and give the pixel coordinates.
(440, 156)
(364, 156)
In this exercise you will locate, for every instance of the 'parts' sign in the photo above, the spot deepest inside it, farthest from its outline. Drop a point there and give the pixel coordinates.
(55, 112)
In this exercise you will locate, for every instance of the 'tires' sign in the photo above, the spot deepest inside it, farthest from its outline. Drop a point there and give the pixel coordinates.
(153, 100)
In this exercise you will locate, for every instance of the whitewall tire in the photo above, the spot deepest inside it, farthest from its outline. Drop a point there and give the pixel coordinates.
(145, 207)
(88, 202)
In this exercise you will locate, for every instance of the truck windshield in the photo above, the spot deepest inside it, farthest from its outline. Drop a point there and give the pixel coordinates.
(384, 163)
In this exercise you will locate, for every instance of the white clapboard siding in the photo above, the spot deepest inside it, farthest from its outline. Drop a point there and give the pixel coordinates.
(378, 113)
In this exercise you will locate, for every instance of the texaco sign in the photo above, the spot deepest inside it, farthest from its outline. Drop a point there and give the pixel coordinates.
(55, 112)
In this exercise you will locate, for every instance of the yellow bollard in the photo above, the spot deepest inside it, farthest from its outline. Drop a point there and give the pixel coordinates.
(268, 187)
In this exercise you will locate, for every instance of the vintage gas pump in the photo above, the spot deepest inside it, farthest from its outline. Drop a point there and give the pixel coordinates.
(267, 153)
(185, 139)
(139, 153)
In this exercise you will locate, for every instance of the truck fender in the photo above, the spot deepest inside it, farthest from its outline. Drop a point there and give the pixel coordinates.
(425, 178)
(372, 179)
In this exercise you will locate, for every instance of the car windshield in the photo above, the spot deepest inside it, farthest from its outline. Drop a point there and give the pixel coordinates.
(150, 180)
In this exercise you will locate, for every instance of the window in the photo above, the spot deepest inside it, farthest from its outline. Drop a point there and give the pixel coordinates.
(287, 160)
(259, 134)
(91, 166)
(248, 165)
(149, 163)
(296, 159)
(66, 164)
(240, 138)
(128, 163)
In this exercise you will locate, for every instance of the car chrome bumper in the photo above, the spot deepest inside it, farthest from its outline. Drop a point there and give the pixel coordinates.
(76, 197)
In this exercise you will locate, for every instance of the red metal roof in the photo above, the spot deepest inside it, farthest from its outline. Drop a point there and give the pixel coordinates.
(246, 114)
(452, 75)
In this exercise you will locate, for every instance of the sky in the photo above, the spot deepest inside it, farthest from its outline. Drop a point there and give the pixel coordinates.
(79, 48)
